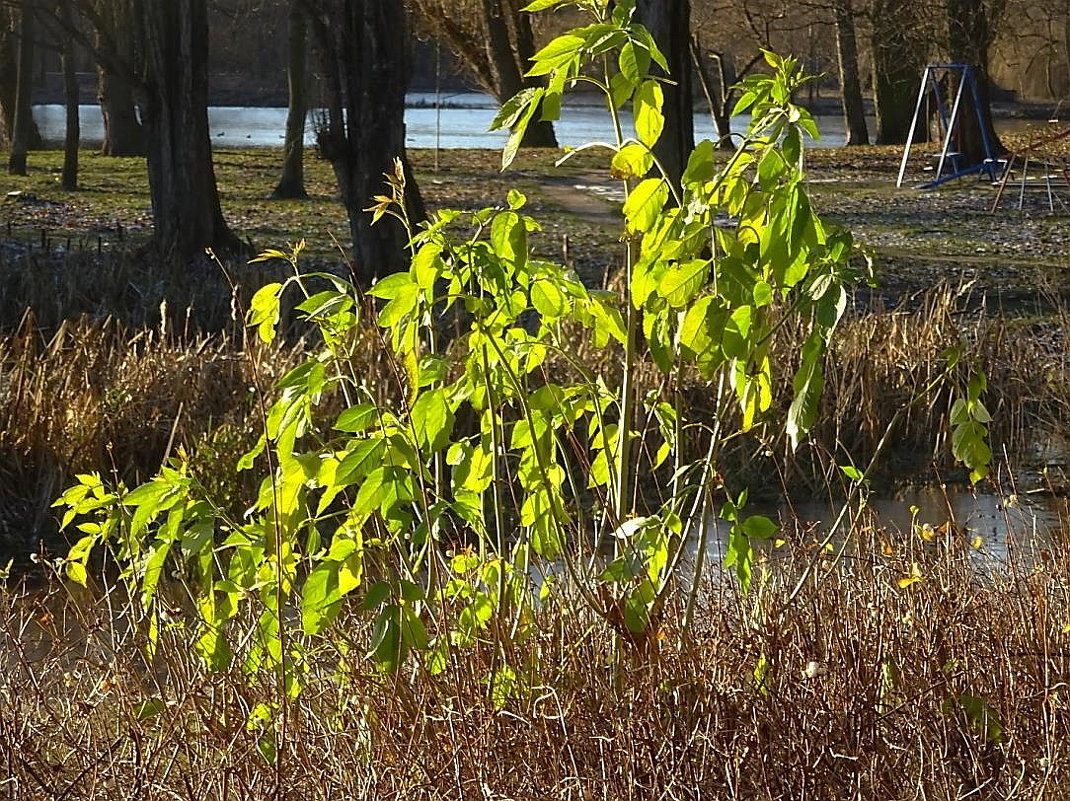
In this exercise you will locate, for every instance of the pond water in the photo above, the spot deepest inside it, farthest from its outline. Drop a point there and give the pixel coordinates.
(998, 529)
(461, 122)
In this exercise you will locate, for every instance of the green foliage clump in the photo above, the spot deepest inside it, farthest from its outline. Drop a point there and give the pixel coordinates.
(451, 514)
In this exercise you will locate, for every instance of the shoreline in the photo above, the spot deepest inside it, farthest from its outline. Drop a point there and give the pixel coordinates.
(265, 97)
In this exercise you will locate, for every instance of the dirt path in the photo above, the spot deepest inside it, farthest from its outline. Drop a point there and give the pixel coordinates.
(588, 197)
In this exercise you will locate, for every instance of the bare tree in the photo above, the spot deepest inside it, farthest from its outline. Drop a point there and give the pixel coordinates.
(971, 26)
(172, 72)
(495, 41)
(362, 47)
(899, 53)
(9, 70)
(854, 111)
(292, 182)
(734, 32)
(23, 114)
(73, 134)
(123, 134)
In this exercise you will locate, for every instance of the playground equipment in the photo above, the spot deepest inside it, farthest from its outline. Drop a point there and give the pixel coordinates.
(949, 121)
(1053, 163)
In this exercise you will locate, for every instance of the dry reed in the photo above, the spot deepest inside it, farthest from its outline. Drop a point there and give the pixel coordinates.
(858, 686)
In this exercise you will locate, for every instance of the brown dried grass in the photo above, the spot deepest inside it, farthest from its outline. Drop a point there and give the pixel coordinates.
(856, 699)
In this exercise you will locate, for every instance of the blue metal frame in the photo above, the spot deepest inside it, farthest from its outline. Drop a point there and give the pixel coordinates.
(930, 82)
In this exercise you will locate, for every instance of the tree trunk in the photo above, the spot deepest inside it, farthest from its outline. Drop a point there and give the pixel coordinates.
(898, 59)
(669, 21)
(716, 92)
(969, 35)
(292, 182)
(8, 75)
(71, 94)
(185, 199)
(123, 134)
(1066, 41)
(854, 110)
(23, 118)
(363, 46)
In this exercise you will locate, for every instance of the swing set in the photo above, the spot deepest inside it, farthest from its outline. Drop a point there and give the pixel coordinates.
(951, 162)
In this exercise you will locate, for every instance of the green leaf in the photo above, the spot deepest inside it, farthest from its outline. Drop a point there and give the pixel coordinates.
(432, 420)
(852, 472)
(548, 299)
(320, 598)
(620, 90)
(770, 168)
(631, 161)
(520, 127)
(980, 714)
(649, 119)
(808, 386)
(213, 648)
(377, 594)
(557, 53)
(763, 294)
(508, 236)
(609, 323)
(150, 708)
(659, 338)
(392, 286)
(737, 333)
(694, 333)
(325, 304)
(680, 283)
(739, 555)
(537, 513)
(513, 109)
(371, 493)
(700, 164)
(746, 100)
(413, 633)
(80, 550)
(248, 459)
(634, 63)
(969, 445)
(759, 527)
(357, 418)
(645, 204)
(542, 5)
(387, 645)
(265, 746)
(153, 571)
(76, 572)
(427, 265)
(365, 457)
(264, 310)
